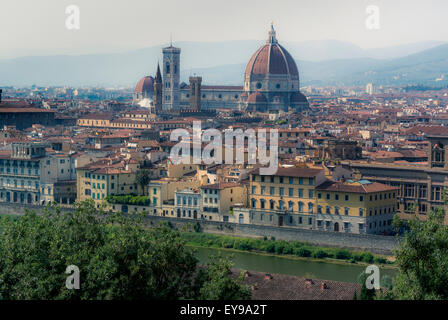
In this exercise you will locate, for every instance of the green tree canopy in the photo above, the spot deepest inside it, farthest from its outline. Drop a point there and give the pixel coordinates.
(422, 259)
(117, 256)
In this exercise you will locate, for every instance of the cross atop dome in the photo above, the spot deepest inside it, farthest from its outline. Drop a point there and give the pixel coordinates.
(272, 38)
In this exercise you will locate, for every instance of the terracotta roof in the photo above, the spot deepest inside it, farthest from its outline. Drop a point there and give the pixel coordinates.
(146, 84)
(293, 172)
(355, 187)
(271, 58)
(221, 185)
(257, 97)
(267, 286)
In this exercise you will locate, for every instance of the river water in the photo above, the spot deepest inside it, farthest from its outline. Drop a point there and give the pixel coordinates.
(301, 268)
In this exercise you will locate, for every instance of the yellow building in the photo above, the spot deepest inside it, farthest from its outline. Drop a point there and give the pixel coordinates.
(99, 179)
(286, 198)
(218, 199)
(355, 206)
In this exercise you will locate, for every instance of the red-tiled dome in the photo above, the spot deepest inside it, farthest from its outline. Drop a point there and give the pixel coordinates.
(298, 97)
(257, 97)
(271, 58)
(146, 84)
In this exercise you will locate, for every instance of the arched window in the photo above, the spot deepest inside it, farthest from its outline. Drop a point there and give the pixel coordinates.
(271, 204)
(253, 203)
(328, 210)
(290, 205)
(262, 203)
(310, 207)
(281, 204)
(300, 206)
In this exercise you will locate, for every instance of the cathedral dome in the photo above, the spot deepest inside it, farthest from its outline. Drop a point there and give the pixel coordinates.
(271, 59)
(146, 84)
(298, 97)
(256, 98)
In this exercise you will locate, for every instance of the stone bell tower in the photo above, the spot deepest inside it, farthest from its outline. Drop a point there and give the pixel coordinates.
(171, 78)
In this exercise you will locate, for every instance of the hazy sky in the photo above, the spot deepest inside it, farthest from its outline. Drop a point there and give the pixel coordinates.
(30, 27)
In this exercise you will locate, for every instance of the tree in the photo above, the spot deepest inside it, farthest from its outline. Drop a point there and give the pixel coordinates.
(217, 283)
(117, 256)
(422, 259)
(142, 177)
(365, 294)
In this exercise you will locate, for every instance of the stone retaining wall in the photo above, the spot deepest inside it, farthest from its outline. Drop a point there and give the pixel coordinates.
(373, 243)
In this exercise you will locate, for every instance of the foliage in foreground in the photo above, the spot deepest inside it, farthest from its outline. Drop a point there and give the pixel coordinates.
(422, 259)
(117, 258)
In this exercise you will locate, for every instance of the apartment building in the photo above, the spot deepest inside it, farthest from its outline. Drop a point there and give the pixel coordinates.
(219, 199)
(286, 198)
(355, 207)
(420, 186)
(33, 174)
(105, 177)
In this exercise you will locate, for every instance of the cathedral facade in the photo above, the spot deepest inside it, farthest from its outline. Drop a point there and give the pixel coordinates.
(271, 83)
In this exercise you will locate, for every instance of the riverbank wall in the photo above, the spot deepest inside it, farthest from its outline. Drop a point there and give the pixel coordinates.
(373, 243)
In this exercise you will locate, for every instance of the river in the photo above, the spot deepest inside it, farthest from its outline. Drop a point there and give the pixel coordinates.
(284, 265)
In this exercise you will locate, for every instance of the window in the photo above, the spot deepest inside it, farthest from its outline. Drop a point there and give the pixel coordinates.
(327, 210)
(290, 206)
(346, 197)
(291, 180)
(310, 193)
(300, 206)
(281, 179)
(361, 198)
(346, 211)
(291, 192)
(281, 191)
(300, 193)
(280, 205)
(319, 195)
(310, 207)
(336, 210)
(300, 180)
(311, 181)
(328, 196)
(263, 189)
(271, 191)
(361, 212)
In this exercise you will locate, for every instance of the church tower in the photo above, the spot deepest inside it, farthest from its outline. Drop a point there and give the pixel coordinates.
(195, 93)
(158, 91)
(171, 78)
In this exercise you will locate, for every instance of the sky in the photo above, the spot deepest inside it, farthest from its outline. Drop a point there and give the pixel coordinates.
(38, 27)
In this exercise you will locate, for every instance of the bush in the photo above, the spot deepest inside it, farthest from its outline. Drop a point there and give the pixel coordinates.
(270, 247)
(303, 252)
(342, 254)
(279, 246)
(320, 254)
(367, 257)
(380, 260)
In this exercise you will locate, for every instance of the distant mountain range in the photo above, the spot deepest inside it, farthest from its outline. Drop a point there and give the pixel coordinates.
(328, 62)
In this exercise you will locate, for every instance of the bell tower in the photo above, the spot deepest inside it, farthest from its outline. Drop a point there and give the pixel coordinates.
(171, 78)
